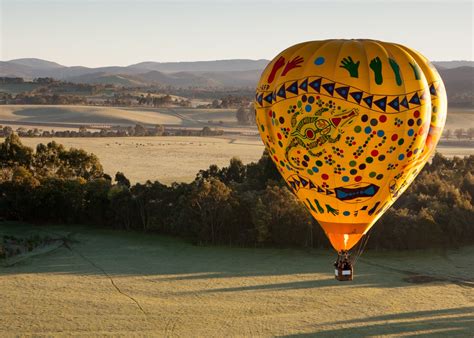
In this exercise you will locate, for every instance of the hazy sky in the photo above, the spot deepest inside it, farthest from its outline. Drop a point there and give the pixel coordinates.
(106, 32)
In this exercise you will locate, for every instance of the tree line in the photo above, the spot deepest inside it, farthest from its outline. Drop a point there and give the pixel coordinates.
(55, 92)
(238, 205)
(112, 131)
(459, 133)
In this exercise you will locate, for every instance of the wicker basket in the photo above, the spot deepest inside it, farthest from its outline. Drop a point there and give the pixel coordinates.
(344, 274)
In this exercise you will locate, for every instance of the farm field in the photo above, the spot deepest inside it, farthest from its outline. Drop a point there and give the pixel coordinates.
(83, 115)
(460, 118)
(80, 115)
(455, 151)
(163, 158)
(116, 283)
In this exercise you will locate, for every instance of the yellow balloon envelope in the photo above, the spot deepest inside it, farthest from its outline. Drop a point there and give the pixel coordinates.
(349, 124)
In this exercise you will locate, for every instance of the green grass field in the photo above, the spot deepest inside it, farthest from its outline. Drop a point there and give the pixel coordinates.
(130, 284)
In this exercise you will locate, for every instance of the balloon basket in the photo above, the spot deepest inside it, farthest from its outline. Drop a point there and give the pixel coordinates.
(343, 268)
(343, 275)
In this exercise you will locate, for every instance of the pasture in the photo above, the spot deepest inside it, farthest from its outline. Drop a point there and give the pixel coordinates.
(459, 118)
(116, 283)
(83, 115)
(163, 158)
(112, 116)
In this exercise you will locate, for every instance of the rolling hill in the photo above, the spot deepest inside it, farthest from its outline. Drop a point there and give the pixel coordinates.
(202, 66)
(458, 75)
(34, 63)
(220, 73)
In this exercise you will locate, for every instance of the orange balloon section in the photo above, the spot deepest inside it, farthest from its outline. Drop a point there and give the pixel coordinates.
(349, 124)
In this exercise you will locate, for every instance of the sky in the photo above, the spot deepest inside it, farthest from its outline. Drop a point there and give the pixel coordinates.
(105, 32)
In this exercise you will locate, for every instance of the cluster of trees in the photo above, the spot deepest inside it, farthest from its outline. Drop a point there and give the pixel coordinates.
(459, 133)
(214, 94)
(232, 101)
(161, 101)
(11, 80)
(246, 115)
(68, 96)
(18, 80)
(85, 131)
(46, 90)
(228, 102)
(37, 98)
(245, 205)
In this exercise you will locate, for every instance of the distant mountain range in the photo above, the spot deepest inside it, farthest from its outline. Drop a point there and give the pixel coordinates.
(453, 64)
(220, 73)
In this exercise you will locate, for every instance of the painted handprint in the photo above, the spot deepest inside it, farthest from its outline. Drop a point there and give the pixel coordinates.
(295, 63)
(320, 208)
(278, 64)
(331, 210)
(396, 71)
(376, 66)
(350, 66)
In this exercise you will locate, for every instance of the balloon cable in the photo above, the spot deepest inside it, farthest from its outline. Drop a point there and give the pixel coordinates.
(361, 248)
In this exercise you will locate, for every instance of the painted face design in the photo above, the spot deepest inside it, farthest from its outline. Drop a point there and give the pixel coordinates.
(356, 193)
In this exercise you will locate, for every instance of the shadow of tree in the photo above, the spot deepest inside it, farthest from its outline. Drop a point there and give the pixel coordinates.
(445, 322)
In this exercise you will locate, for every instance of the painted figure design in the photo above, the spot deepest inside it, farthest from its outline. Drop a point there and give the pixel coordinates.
(312, 132)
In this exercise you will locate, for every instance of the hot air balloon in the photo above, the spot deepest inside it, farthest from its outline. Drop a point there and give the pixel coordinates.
(349, 124)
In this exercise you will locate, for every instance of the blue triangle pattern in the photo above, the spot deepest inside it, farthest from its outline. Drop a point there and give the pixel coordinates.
(316, 85)
(293, 88)
(343, 92)
(404, 102)
(329, 88)
(381, 103)
(368, 100)
(357, 96)
(395, 104)
(415, 99)
(269, 98)
(282, 93)
(304, 85)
